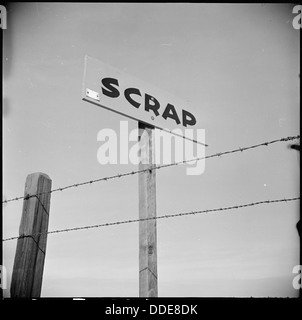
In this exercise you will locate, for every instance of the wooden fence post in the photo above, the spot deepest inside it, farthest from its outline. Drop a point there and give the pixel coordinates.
(147, 209)
(30, 253)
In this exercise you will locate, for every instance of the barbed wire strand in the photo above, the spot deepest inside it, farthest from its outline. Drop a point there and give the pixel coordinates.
(219, 154)
(158, 217)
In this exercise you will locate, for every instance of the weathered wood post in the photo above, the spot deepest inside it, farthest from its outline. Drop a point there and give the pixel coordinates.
(147, 209)
(31, 246)
(119, 92)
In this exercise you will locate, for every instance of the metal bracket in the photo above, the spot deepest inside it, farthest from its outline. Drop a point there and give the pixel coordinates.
(92, 94)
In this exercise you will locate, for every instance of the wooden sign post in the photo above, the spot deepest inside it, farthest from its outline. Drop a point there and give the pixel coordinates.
(31, 246)
(119, 92)
(147, 209)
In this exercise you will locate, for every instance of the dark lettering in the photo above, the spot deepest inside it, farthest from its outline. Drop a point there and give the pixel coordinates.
(111, 91)
(154, 106)
(188, 118)
(127, 94)
(170, 112)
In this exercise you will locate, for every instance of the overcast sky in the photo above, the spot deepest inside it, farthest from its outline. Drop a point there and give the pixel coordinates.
(239, 67)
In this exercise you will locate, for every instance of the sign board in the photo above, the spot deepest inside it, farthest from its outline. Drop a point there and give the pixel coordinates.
(112, 89)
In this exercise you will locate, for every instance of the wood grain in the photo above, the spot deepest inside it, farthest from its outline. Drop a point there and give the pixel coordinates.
(147, 209)
(30, 253)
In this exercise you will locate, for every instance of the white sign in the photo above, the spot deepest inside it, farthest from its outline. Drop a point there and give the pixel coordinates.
(112, 89)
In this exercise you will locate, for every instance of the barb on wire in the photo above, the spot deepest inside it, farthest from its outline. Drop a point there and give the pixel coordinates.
(158, 217)
(119, 175)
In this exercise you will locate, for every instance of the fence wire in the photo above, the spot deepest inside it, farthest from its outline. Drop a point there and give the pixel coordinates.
(219, 154)
(207, 211)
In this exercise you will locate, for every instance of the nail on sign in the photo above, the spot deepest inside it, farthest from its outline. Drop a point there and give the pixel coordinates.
(119, 92)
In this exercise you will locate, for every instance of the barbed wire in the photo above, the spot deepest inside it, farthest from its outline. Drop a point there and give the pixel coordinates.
(219, 154)
(158, 217)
